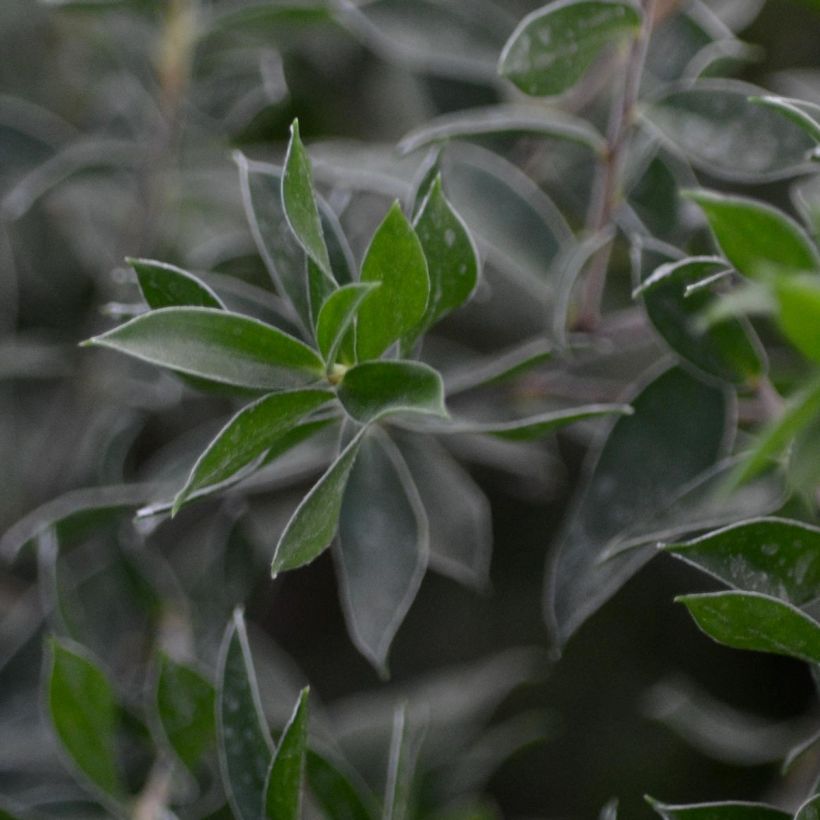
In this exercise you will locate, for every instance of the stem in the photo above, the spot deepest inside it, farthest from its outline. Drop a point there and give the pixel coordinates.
(607, 190)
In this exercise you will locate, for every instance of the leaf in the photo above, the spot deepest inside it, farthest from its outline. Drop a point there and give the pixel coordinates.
(164, 285)
(678, 431)
(334, 791)
(214, 344)
(754, 237)
(373, 390)
(773, 556)
(800, 112)
(336, 317)
(313, 525)
(728, 349)
(552, 48)
(503, 119)
(251, 432)
(798, 314)
(395, 258)
(185, 704)
(382, 549)
(810, 810)
(84, 713)
(718, 811)
(452, 259)
(299, 202)
(283, 792)
(750, 620)
(245, 747)
(609, 811)
(713, 125)
(458, 513)
(401, 767)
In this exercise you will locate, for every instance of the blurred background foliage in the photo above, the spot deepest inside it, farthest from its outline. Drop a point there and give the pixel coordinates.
(118, 123)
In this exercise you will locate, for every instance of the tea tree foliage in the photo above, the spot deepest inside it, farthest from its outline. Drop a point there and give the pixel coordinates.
(616, 247)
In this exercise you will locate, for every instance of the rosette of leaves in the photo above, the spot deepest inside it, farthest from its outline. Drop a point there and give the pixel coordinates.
(352, 362)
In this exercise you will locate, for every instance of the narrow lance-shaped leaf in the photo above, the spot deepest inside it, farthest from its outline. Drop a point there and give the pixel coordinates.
(299, 202)
(164, 285)
(774, 556)
(396, 259)
(718, 811)
(185, 704)
(373, 390)
(552, 48)
(382, 550)
(401, 767)
(313, 525)
(452, 259)
(251, 432)
(335, 792)
(217, 345)
(755, 237)
(336, 317)
(283, 792)
(749, 620)
(245, 747)
(84, 713)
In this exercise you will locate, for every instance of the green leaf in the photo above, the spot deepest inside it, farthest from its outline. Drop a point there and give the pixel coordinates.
(609, 811)
(214, 344)
(373, 390)
(749, 620)
(335, 792)
(677, 433)
(84, 713)
(718, 811)
(798, 314)
(504, 119)
(773, 556)
(245, 747)
(396, 259)
(715, 127)
(251, 432)
(299, 202)
(452, 259)
(401, 767)
(725, 349)
(552, 48)
(800, 112)
(336, 317)
(164, 285)
(185, 704)
(283, 792)
(313, 525)
(810, 810)
(382, 549)
(755, 237)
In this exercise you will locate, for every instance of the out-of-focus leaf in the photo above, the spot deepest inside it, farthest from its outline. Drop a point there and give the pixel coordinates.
(458, 513)
(810, 810)
(803, 469)
(755, 237)
(245, 747)
(382, 550)
(395, 258)
(251, 432)
(185, 704)
(283, 791)
(609, 811)
(678, 431)
(725, 349)
(217, 345)
(164, 285)
(714, 126)
(336, 317)
(452, 259)
(552, 48)
(750, 620)
(502, 119)
(299, 202)
(774, 556)
(84, 712)
(718, 811)
(401, 767)
(373, 390)
(313, 525)
(804, 114)
(798, 313)
(335, 792)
